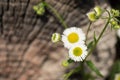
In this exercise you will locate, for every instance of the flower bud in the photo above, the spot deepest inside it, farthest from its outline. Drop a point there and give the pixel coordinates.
(116, 27)
(56, 37)
(113, 23)
(92, 16)
(115, 13)
(98, 11)
(35, 8)
(41, 11)
(65, 63)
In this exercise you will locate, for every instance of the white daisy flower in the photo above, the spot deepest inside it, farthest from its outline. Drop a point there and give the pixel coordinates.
(72, 36)
(78, 52)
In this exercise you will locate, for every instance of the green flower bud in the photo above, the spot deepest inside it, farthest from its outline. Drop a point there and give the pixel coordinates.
(65, 63)
(56, 37)
(35, 8)
(40, 8)
(98, 11)
(113, 23)
(92, 16)
(115, 12)
(116, 27)
(41, 11)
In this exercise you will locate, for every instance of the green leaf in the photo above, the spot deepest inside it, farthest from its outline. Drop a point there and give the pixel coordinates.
(115, 69)
(95, 39)
(93, 68)
(70, 61)
(90, 45)
(88, 76)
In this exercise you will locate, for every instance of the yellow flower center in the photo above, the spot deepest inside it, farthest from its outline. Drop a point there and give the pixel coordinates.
(73, 37)
(77, 51)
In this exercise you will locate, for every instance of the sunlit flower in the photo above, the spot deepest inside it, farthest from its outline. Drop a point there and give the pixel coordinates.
(73, 36)
(78, 52)
(117, 76)
(55, 37)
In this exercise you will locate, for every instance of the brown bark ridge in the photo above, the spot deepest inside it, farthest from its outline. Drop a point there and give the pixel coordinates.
(26, 52)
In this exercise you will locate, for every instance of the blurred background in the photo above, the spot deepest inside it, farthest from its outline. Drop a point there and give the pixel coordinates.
(26, 50)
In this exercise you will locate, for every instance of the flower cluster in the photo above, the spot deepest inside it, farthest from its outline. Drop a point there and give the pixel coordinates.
(114, 21)
(39, 9)
(74, 40)
(96, 14)
(114, 24)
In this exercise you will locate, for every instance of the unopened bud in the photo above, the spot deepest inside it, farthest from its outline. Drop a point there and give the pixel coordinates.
(113, 23)
(92, 16)
(41, 11)
(98, 11)
(56, 37)
(35, 8)
(115, 13)
(116, 27)
(65, 63)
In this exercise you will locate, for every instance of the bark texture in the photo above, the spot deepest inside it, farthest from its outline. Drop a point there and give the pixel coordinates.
(26, 52)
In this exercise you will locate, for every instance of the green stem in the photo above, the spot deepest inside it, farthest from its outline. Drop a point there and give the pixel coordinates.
(70, 73)
(57, 14)
(77, 69)
(99, 35)
(88, 29)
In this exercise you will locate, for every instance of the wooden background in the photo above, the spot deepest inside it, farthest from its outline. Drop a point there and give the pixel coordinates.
(26, 52)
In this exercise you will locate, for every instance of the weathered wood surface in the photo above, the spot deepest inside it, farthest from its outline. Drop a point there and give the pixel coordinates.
(26, 52)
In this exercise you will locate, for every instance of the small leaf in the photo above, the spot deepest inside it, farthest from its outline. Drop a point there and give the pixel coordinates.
(95, 39)
(115, 69)
(92, 67)
(88, 76)
(90, 44)
(70, 61)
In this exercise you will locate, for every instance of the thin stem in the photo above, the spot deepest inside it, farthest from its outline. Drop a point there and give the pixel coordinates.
(88, 29)
(70, 73)
(116, 19)
(77, 69)
(99, 35)
(104, 17)
(57, 14)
